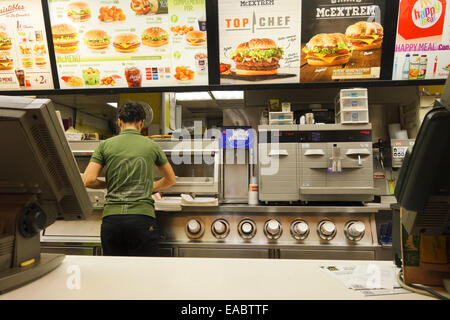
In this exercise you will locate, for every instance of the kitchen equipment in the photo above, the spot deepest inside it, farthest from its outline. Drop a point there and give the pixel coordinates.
(82, 151)
(286, 232)
(335, 163)
(196, 163)
(277, 150)
(237, 154)
(399, 148)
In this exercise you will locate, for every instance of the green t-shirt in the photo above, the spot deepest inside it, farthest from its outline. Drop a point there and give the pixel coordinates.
(129, 159)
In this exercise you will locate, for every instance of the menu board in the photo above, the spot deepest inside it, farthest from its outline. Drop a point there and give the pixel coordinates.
(422, 49)
(295, 41)
(129, 43)
(341, 40)
(24, 59)
(259, 41)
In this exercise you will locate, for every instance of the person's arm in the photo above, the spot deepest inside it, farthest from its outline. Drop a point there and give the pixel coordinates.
(168, 178)
(90, 176)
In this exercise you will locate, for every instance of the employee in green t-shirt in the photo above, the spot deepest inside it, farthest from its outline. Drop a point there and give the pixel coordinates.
(129, 226)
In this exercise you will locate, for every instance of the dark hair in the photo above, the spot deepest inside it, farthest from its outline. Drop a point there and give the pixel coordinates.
(131, 112)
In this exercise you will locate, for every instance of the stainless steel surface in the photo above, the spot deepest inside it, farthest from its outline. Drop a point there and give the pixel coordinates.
(231, 230)
(354, 230)
(196, 164)
(246, 228)
(83, 148)
(326, 230)
(274, 210)
(327, 254)
(220, 228)
(335, 171)
(299, 229)
(277, 164)
(195, 252)
(235, 176)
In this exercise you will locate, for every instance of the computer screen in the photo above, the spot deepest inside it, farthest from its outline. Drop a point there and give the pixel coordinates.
(36, 159)
(423, 188)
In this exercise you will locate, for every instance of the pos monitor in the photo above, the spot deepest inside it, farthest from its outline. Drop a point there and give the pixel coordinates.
(423, 188)
(39, 183)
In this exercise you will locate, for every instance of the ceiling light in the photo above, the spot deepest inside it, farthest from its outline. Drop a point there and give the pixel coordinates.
(228, 95)
(192, 96)
(113, 104)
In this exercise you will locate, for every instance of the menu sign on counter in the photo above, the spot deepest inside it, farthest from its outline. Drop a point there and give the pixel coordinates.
(341, 40)
(24, 59)
(259, 41)
(129, 43)
(422, 49)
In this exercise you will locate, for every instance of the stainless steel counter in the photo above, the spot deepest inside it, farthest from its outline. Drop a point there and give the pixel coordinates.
(84, 237)
(230, 208)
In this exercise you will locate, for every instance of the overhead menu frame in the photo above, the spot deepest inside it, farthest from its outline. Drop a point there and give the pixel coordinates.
(422, 48)
(129, 43)
(213, 73)
(24, 53)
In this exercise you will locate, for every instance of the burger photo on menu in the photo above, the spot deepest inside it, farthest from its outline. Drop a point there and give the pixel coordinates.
(40, 62)
(5, 41)
(155, 37)
(328, 49)
(341, 40)
(365, 35)
(196, 38)
(6, 62)
(65, 38)
(257, 57)
(97, 39)
(126, 42)
(78, 11)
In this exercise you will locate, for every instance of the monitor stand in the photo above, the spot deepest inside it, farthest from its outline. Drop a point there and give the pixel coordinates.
(19, 276)
(21, 260)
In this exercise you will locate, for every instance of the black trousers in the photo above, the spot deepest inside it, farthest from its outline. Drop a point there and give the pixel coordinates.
(129, 235)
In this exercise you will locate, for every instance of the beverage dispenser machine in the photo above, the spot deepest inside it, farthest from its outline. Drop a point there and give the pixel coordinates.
(237, 163)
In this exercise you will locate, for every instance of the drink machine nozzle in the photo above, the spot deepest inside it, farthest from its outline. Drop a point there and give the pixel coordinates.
(336, 159)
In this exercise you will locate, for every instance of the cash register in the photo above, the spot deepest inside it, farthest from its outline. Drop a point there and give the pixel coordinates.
(39, 183)
(423, 195)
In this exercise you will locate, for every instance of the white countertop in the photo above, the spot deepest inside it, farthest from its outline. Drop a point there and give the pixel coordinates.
(193, 279)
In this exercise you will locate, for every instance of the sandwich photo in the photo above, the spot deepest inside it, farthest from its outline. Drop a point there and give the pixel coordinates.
(328, 49)
(126, 42)
(6, 62)
(73, 81)
(196, 38)
(65, 38)
(365, 35)
(78, 11)
(5, 41)
(144, 6)
(155, 37)
(257, 57)
(40, 62)
(96, 39)
(27, 62)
